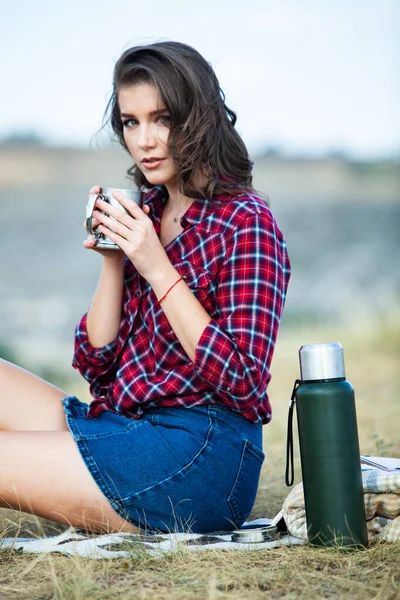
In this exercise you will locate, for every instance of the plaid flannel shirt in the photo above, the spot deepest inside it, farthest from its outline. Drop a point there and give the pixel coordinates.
(233, 257)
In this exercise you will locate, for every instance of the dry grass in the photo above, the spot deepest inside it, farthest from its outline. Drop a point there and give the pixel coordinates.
(297, 572)
(372, 360)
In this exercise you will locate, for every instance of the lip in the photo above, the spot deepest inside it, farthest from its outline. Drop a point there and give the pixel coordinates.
(152, 162)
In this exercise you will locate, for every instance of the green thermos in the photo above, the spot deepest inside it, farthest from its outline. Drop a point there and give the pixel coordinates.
(329, 448)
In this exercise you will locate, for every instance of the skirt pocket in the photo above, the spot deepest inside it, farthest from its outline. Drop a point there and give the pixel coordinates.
(243, 494)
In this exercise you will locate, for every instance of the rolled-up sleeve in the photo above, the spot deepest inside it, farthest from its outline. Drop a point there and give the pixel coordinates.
(87, 355)
(97, 365)
(235, 350)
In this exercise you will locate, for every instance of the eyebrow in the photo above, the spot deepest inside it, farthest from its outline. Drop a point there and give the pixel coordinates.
(153, 113)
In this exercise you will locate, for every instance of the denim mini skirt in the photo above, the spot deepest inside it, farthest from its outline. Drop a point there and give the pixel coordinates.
(174, 469)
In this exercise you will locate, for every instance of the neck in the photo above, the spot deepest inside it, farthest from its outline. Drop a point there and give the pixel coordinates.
(177, 202)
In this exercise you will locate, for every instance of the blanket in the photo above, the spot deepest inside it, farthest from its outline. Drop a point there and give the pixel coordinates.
(127, 545)
(382, 507)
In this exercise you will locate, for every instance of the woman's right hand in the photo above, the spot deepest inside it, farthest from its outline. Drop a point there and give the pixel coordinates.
(90, 242)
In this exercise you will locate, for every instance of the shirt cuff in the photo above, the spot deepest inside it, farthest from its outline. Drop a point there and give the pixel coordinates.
(85, 352)
(212, 356)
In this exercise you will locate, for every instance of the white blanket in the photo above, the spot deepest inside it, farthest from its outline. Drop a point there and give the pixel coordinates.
(125, 545)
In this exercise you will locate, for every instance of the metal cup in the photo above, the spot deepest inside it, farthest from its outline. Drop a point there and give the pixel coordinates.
(105, 194)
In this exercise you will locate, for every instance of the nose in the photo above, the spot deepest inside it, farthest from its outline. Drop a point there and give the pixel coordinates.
(147, 138)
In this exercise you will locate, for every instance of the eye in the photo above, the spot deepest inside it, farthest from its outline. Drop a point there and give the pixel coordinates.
(129, 122)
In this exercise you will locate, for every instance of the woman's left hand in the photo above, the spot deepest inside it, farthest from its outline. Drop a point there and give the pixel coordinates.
(134, 233)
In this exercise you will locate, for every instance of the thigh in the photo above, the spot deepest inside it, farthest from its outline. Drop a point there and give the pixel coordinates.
(45, 475)
(27, 402)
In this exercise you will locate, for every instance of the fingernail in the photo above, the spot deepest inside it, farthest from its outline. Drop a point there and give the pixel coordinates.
(117, 194)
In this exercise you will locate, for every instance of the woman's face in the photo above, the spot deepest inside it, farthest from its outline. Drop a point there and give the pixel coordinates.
(146, 124)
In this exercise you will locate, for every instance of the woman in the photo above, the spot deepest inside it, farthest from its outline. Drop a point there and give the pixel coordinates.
(178, 340)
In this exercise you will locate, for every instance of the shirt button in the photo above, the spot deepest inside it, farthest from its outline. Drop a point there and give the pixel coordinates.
(228, 389)
(137, 293)
(184, 276)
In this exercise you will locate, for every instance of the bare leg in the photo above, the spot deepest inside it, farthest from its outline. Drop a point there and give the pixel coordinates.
(44, 474)
(41, 469)
(28, 402)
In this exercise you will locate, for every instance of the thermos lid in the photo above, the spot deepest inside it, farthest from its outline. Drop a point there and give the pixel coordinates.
(255, 535)
(321, 361)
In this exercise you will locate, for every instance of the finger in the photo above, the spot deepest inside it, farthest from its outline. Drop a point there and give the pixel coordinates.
(117, 214)
(96, 217)
(113, 236)
(114, 226)
(95, 190)
(90, 242)
(95, 223)
(130, 205)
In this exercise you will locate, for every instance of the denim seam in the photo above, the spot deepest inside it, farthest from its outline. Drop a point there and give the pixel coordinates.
(255, 450)
(71, 423)
(205, 447)
(89, 461)
(248, 445)
(97, 475)
(107, 434)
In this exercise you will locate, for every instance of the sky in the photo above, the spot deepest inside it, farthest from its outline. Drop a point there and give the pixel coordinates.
(303, 76)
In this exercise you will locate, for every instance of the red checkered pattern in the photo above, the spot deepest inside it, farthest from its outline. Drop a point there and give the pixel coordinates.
(233, 257)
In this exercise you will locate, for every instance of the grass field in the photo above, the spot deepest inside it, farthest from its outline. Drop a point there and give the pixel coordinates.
(372, 365)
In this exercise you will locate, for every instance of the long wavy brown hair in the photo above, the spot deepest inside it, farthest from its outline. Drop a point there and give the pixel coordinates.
(209, 154)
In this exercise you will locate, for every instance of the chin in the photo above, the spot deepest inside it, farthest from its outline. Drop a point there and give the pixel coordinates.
(159, 179)
(154, 180)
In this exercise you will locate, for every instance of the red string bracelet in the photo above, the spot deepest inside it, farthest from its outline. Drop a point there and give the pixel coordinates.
(172, 286)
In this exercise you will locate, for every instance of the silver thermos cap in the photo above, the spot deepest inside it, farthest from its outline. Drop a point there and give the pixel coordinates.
(321, 361)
